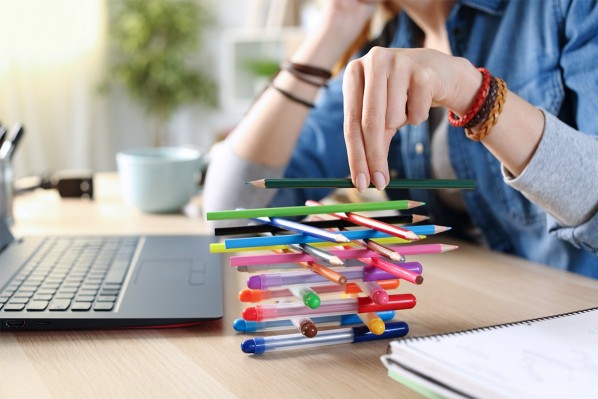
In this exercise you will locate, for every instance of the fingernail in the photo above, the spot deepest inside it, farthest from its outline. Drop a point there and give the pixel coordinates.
(360, 182)
(379, 181)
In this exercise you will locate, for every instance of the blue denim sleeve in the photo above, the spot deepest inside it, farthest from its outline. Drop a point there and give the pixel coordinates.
(320, 150)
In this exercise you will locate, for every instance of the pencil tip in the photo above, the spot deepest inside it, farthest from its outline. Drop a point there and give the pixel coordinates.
(257, 183)
(397, 257)
(418, 218)
(447, 247)
(414, 204)
(336, 261)
(441, 229)
(341, 238)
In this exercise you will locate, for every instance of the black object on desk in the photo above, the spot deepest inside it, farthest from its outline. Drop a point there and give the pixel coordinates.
(70, 184)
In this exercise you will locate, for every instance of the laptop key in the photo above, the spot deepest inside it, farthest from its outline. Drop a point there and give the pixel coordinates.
(37, 306)
(103, 306)
(14, 307)
(81, 306)
(58, 305)
(85, 298)
(19, 300)
(42, 297)
(107, 298)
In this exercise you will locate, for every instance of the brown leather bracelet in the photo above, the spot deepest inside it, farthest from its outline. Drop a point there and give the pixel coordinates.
(309, 70)
(298, 75)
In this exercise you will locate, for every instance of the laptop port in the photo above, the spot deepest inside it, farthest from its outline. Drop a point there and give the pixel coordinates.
(15, 323)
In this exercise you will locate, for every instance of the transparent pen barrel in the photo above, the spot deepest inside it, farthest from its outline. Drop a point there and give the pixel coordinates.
(298, 341)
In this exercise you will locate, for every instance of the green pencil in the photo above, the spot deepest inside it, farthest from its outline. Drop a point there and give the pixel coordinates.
(313, 210)
(347, 183)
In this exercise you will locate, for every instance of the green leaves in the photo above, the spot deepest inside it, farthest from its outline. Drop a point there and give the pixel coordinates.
(154, 43)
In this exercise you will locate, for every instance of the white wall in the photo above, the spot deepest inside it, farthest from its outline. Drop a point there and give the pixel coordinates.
(69, 125)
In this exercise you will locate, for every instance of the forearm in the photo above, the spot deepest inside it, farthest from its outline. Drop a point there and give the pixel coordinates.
(269, 131)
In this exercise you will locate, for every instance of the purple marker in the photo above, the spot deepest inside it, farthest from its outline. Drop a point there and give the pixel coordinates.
(368, 273)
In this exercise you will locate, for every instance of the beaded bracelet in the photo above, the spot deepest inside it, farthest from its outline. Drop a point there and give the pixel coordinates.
(492, 118)
(454, 120)
(292, 97)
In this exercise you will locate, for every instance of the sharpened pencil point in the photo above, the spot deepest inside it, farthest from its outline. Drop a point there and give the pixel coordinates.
(419, 218)
(341, 238)
(397, 257)
(336, 261)
(441, 229)
(257, 183)
(414, 204)
(447, 247)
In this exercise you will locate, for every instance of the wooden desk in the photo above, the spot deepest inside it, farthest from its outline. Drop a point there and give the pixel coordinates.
(466, 288)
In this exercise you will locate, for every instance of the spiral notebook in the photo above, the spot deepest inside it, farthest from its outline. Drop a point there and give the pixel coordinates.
(549, 357)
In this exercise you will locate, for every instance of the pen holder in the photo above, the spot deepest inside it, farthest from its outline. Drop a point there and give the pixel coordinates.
(6, 191)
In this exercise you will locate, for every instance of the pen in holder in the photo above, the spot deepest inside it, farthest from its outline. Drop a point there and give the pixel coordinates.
(6, 193)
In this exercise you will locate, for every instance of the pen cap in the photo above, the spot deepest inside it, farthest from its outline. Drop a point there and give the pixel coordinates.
(264, 281)
(393, 330)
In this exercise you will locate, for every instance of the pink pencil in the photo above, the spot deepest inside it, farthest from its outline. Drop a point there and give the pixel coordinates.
(421, 249)
(371, 223)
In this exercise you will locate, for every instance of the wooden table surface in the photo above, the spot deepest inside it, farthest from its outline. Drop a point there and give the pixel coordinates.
(466, 288)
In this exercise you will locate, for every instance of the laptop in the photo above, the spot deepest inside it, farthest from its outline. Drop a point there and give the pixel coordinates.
(85, 282)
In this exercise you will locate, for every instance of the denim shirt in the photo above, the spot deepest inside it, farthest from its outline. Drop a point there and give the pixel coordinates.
(546, 52)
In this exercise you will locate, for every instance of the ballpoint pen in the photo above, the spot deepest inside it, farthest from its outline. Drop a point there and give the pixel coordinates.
(245, 326)
(328, 308)
(260, 345)
(273, 280)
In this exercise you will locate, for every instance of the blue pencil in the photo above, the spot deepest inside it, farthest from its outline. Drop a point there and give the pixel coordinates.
(302, 238)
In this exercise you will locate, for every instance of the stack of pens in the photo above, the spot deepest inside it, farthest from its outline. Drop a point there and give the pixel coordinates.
(332, 277)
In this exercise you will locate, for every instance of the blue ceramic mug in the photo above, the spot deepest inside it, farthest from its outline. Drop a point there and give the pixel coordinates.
(159, 179)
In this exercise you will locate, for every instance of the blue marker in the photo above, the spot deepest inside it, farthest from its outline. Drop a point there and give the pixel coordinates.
(260, 345)
(245, 326)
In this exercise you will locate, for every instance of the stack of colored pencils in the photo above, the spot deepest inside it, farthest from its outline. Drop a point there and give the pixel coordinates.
(332, 278)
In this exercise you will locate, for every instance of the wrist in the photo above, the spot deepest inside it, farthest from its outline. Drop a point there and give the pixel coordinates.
(468, 83)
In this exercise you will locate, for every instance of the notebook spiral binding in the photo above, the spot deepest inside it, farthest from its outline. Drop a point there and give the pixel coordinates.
(494, 327)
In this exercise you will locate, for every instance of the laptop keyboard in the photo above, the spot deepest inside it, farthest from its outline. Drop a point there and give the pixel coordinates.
(71, 274)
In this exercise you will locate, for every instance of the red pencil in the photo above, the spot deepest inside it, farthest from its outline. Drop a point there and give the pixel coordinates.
(372, 223)
(393, 269)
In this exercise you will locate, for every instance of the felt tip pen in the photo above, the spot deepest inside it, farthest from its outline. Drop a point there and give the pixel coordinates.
(261, 345)
(245, 326)
(373, 322)
(374, 291)
(248, 295)
(328, 308)
(274, 280)
(306, 295)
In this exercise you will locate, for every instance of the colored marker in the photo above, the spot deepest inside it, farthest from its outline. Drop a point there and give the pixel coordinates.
(305, 326)
(249, 295)
(261, 345)
(245, 326)
(329, 308)
(306, 295)
(274, 280)
(425, 229)
(373, 322)
(420, 249)
(371, 223)
(374, 291)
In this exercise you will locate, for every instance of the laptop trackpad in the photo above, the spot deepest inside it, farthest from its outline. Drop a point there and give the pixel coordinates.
(163, 275)
(172, 287)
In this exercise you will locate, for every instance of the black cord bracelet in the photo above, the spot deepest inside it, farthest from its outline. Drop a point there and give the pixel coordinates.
(292, 97)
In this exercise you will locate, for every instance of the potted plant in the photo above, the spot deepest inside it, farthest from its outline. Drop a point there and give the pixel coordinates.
(153, 42)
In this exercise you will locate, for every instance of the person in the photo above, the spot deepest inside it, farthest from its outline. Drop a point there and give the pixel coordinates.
(387, 116)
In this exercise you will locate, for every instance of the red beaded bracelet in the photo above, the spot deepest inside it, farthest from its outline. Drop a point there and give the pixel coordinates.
(454, 120)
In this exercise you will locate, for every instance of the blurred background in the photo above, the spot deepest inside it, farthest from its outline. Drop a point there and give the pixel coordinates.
(89, 78)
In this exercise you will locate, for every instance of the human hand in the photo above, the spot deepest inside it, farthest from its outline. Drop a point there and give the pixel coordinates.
(388, 88)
